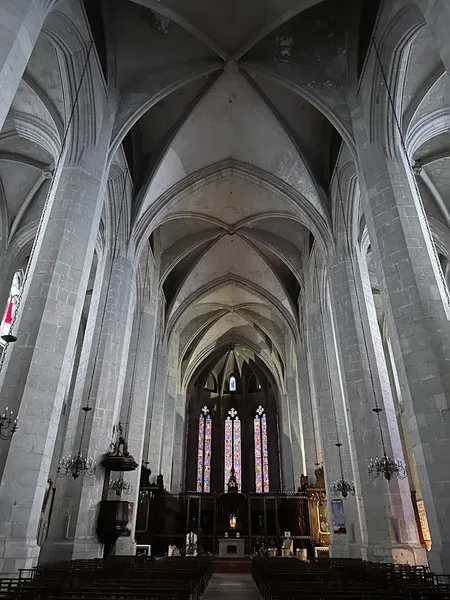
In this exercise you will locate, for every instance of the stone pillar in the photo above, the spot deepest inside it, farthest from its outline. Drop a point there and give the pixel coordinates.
(328, 395)
(284, 420)
(391, 528)
(437, 16)
(168, 438)
(307, 424)
(297, 445)
(157, 399)
(179, 444)
(73, 527)
(417, 314)
(105, 396)
(135, 404)
(153, 376)
(59, 543)
(20, 24)
(37, 367)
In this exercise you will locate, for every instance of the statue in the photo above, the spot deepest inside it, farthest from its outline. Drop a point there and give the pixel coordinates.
(232, 482)
(191, 544)
(233, 521)
(320, 478)
(160, 481)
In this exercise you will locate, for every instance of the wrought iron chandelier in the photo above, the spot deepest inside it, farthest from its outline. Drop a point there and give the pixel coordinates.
(77, 465)
(121, 486)
(342, 487)
(385, 467)
(8, 425)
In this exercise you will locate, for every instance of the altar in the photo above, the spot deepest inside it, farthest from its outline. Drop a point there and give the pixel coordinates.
(231, 547)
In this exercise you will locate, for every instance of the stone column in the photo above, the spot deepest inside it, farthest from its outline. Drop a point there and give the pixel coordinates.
(73, 528)
(105, 397)
(135, 404)
(168, 438)
(329, 399)
(59, 543)
(37, 368)
(157, 417)
(306, 413)
(153, 367)
(417, 313)
(437, 16)
(179, 443)
(391, 529)
(297, 446)
(20, 24)
(284, 420)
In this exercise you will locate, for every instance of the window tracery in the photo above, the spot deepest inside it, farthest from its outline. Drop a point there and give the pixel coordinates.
(261, 451)
(204, 451)
(233, 447)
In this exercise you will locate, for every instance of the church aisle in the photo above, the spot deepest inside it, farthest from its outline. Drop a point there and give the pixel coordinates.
(239, 586)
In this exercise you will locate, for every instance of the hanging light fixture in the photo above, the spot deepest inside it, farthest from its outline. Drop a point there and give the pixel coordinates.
(342, 487)
(8, 425)
(77, 465)
(121, 486)
(385, 467)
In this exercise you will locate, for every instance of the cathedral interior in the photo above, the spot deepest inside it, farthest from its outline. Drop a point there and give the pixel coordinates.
(224, 258)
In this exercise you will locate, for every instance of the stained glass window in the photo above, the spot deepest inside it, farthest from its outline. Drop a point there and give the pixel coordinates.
(261, 451)
(232, 384)
(13, 298)
(233, 447)
(204, 451)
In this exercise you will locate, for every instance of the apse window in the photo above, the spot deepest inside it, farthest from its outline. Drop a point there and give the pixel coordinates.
(232, 384)
(261, 451)
(204, 451)
(233, 447)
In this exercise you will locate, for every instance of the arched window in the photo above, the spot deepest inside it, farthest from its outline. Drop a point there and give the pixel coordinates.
(233, 447)
(204, 452)
(11, 307)
(261, 451)
(232, 384)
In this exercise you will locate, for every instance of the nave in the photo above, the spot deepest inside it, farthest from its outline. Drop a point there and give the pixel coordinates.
(224, 281)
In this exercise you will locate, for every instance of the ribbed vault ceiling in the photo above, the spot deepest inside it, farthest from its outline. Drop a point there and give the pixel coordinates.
(231, 165)
(230, 118)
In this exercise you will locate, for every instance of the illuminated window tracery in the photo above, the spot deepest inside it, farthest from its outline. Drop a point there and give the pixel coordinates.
(261, 451)
(233, 447)
(204, 452)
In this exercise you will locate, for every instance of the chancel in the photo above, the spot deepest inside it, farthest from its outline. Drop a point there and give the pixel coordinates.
(225, 309)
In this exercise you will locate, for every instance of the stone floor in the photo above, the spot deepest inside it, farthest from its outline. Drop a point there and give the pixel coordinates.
(236, 586)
